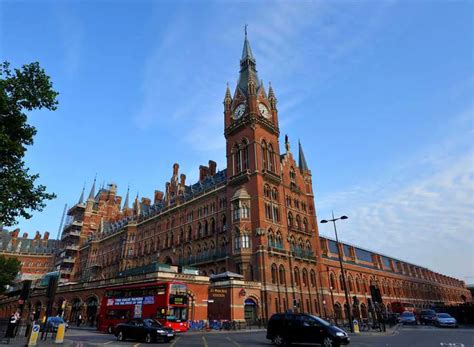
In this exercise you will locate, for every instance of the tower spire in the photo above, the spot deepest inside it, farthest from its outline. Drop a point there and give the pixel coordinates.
(248, 69)
(92, 192)
(81, 198)
(301, 159)
(125, 204)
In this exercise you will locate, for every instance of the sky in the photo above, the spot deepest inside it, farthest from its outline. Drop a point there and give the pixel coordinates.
(380, 93)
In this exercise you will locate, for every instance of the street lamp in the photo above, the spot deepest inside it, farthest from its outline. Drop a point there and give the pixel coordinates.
(348, 309)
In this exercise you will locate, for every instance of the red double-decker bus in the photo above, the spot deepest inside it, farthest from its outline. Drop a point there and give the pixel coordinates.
(167, 302)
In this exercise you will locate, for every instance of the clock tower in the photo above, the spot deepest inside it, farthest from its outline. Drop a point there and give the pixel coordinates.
(253, 164)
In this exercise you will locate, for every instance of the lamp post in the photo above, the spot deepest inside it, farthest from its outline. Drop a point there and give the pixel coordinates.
(348, 305)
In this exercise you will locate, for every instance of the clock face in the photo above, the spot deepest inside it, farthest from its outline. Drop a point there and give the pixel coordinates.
(239, 111)
(263, 110)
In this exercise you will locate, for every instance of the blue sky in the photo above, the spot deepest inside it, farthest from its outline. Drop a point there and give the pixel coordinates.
(379, 92)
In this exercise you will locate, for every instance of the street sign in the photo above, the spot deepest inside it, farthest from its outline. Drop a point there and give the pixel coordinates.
(34, 335)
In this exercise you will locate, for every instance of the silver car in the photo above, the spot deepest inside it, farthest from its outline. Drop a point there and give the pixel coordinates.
(407, 317)
(445, 320)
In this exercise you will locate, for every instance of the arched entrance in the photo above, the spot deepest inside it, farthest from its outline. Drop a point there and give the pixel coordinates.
(76, 311)
(92, 304)
(168, 260)
(337, 312)
(60, 304)
(250, 311)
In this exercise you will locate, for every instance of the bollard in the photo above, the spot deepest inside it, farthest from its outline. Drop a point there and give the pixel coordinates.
(60, 333)
(34, 335)
(355, 323)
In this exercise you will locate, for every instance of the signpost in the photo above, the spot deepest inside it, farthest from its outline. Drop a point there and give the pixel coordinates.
(60, 333)
(34, 335)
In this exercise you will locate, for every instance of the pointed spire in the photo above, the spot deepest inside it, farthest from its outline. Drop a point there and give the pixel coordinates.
(248, 71)
(271, 97)
(81, 198)
(247, 50)
(228, 96)
(92, 192)
(301, 159)
(125, 204)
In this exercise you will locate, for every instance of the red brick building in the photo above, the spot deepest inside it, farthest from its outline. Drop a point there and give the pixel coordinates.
(255, 219)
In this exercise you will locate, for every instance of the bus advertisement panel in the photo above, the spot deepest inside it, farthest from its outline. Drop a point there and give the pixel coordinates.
(166, 302)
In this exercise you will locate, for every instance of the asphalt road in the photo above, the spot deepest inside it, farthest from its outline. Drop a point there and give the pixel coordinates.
(417, 336)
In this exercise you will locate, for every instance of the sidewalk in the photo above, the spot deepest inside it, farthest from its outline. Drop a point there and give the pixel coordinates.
(388, 331)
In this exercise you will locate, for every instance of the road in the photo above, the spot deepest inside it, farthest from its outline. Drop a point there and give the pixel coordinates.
(417, 336)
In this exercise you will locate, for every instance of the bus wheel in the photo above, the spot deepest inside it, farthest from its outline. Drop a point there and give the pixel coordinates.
(148, 338)
(120, 336)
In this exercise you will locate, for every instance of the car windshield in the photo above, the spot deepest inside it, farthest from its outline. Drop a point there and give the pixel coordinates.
(443, 315)
(152, 323)
(320, 321)
(407, 314)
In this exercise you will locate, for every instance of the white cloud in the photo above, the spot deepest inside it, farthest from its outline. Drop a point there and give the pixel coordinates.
(426, 216)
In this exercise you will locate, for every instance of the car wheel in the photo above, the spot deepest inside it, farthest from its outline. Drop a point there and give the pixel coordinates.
(120, 336)
(278, 340)
(110, 329)
(148, 338)
(328, 342)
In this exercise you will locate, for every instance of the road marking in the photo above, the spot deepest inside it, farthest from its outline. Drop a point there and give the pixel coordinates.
(136, 345)
(205, 341)
(233, 341)
(175, 340)
(108, 342)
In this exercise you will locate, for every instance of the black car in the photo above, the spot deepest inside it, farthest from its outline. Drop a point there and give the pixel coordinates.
(286, 328)
(427, 317)
(143, 329)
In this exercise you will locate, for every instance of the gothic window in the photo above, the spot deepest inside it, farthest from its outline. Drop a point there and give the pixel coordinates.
(206, 228)
(171, 239)
(237, 241)
(264, 155)
(305, 277)
(298, 222)
(190, 233)
(245, 154)
(276, 214)
(313, 278)
(279, 240)
(292, 244)
(199, 233)
(281, 274)
(297, 276)
(332, 281)
(275, 194)
(238, 159)
(290, 219)
(271, 242)
(271, 158)
(305, 224)
(213, 226)
(292, 174)
(341, 282)
(266, 191)
(274, 273)
(268, 211)
(351, 285)
(245, 241)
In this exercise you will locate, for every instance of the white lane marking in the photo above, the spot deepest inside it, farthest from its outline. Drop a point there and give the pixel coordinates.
(175, 340)
(233, 341)
(205, 341)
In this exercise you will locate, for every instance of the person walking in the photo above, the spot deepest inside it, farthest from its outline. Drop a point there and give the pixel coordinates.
(10, 333)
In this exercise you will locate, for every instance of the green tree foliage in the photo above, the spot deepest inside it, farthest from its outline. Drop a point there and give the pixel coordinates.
(9, 268)
(25, 89)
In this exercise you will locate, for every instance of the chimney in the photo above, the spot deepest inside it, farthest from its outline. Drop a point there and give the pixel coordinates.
(212, 167)
(175, 169)
(25, 235)
(146, 201)
(203, 172)
(118, 201)
(46, 235)
(183, 180)
(37, 235)
(158, 196)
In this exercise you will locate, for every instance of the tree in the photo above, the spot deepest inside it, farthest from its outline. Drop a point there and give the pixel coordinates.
(25, 89)
(9, 268)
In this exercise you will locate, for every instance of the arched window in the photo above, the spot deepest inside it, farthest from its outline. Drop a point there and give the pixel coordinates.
(238, 159)
(290, 219)
(279, 240)
(341, 283)
(237, 241)
(274, 273)
(245, 241)
(264, 155)
(297, 276)
(271, 241)
(245, 154)
(213, 226)
(181, 236)
(190, 233)
(292, 174)
(305, 277)
(199, 233)
(266, 191)
(305, 224)
(298, 222)
(275, 194)
(313, 278)
(271, 158)
(351, 286)
(206, 227)
(281, 274)
(224, 222)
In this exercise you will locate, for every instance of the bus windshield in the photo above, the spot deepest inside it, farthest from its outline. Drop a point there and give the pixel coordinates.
(177, 314)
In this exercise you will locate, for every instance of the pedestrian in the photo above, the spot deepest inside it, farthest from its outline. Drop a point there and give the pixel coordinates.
(11, 325)
(79, 319)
